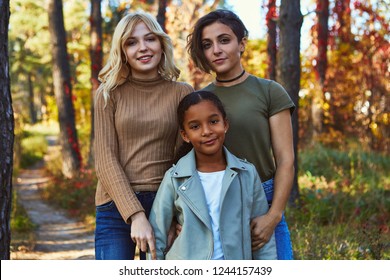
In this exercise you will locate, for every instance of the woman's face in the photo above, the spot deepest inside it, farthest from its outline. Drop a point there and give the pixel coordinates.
(222, 50)
(143, 51)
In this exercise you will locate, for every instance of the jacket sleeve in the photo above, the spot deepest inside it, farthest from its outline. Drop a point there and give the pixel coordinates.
(259, 208)
(162, 213)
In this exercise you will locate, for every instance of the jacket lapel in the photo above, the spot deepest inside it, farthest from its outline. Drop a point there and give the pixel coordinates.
(233, 164)
(226, 182)
(190, 188)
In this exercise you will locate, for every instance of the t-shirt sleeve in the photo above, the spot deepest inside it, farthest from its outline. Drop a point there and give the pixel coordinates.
(279, 99)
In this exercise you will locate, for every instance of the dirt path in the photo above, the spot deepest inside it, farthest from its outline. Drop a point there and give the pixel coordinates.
(57, 236)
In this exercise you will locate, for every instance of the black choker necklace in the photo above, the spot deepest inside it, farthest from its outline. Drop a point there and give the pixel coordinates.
(231, 80)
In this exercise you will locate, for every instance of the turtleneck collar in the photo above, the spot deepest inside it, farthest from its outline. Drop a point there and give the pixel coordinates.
(145, 83)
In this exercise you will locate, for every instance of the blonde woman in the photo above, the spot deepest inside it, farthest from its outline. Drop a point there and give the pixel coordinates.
(136, 133)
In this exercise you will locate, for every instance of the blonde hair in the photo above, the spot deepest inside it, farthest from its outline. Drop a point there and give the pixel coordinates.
(117, 70)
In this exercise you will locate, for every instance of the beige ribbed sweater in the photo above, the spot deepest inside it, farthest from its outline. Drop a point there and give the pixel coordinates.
(135, 138)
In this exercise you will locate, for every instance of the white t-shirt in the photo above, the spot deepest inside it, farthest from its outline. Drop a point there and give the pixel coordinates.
(212, 186)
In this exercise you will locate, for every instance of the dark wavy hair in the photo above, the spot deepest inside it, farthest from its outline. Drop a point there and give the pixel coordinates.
(194, 40)
(189, 100)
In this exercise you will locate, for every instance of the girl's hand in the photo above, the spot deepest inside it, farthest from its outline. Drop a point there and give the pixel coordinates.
(173, 233)
(178, 229)
(142, 234)
(262, 228)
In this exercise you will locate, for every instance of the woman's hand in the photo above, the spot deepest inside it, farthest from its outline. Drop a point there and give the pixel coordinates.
(142, 234)
(262, 228)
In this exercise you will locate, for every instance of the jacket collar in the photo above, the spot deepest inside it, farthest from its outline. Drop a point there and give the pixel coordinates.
(186, 166)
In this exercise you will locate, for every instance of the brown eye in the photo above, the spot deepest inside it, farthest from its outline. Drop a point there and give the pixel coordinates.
(225, 41)
(206, 46)
(151, 39)
(130, 42)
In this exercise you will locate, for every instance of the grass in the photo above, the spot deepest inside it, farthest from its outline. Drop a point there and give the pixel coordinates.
(344, 210)
(22, 229)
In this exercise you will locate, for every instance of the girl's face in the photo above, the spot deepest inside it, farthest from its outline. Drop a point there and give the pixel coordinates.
(205, 128)
(143, 51)
(222, 50)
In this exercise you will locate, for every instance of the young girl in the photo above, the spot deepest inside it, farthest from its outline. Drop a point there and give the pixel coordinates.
(212, 194)
(136, 133)
(259, 113)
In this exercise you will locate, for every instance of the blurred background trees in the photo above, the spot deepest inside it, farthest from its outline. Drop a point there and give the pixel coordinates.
(349, 86)
(339, 82)
(332, 56)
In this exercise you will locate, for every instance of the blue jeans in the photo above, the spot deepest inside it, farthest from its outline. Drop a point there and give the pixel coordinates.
(282, 234)
(112, 234)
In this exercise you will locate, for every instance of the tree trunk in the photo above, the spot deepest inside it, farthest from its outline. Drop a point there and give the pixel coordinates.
(271, 39)
(322, 63)
(96, 54)
(6, 135)
(343, 11)
(339, 100)
(162, 7)
(289, 68)
(322, 42)
(33, 113)
(71, 157)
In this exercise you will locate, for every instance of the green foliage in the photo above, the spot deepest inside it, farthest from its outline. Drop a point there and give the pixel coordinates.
(30, 70)
(344, 210)
(30, 57)
(33, 150)
(338, 242)
(77, 26)
(20, 221)
(347, 167)
(22, 228)
(33, 143)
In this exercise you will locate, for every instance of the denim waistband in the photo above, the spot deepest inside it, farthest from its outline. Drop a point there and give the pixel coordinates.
(145, 192)
(268, 185)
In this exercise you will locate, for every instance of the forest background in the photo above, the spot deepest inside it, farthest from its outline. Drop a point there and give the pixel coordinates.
(340, 205)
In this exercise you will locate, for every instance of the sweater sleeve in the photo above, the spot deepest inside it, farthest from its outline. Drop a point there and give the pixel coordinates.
(109, 171)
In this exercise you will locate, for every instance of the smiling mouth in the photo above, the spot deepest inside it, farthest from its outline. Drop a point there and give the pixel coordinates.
(145, 57)
(209, 142)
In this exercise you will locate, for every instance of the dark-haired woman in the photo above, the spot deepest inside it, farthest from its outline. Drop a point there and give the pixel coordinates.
(259, 113)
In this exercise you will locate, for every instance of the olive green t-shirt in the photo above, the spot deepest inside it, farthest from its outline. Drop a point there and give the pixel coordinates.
(249, 105)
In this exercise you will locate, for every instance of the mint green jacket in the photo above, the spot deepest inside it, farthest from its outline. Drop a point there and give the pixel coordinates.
(181, 195)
